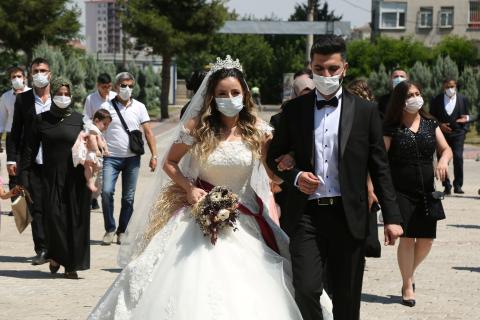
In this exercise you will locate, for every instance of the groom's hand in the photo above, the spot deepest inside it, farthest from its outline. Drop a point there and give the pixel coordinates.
(392, 232)
(308, 182)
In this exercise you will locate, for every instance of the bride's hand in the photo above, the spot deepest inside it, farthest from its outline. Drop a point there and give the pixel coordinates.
(195, 194)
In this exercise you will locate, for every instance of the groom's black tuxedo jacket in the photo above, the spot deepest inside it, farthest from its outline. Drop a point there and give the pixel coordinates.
(23, 115)
(361, 151)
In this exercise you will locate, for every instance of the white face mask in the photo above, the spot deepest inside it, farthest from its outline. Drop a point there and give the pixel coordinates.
(327, 85)
(230, 107)
(17, 83)
(125, 93)
(413, 104)
(397, 80)
(450, 92)
(40, 80)
(62, 101)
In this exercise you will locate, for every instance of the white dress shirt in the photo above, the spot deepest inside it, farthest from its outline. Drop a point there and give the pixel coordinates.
(7, 103)
(326, 125)
(94, 101)
(450, 103)
(40, 107)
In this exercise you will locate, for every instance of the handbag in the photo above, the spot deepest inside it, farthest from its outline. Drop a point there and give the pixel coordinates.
(20, 211)
(135, 137)
(432, 200)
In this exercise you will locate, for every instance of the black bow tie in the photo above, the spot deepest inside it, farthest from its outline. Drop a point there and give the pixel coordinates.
(331, 103)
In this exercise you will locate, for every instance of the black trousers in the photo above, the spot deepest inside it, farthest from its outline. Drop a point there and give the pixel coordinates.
(456, 143)
(36, 186)
(322, 243)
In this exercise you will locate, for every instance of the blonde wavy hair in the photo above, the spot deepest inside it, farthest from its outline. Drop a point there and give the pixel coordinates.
(209, 126)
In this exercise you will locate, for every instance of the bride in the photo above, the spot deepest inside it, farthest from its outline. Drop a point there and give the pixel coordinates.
(175, 272)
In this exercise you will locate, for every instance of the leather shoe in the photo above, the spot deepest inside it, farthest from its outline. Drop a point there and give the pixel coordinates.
(408, 302)
(71, 275)
(53, 267)
(458, 190)
(447, 191)
(40, 258)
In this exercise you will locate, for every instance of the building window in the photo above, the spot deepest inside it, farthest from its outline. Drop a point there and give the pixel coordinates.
(392, 15)
(474, 15)
(425, 18)
(445, 17)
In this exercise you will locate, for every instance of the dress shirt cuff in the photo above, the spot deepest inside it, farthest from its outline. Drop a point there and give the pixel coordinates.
(295, 182)
(11, 162)
(468, 118)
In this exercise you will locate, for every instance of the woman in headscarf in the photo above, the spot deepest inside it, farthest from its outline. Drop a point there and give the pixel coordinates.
(67, 199)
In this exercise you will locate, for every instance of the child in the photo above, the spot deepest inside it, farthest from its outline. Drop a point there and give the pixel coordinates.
(8, 194)
(90, 146)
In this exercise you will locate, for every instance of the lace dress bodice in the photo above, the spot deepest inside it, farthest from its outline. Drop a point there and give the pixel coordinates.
(231, 165)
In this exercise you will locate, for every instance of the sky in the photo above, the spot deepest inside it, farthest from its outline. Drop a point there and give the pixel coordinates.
(355, 11)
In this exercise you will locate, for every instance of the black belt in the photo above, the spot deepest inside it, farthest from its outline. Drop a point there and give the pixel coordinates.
(326, 201)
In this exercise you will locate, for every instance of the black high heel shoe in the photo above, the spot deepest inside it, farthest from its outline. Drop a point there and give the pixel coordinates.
(408, 302)
(53, 268)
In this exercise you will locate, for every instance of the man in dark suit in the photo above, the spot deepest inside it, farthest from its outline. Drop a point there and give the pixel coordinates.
(336, 138)
(448, 107)
(27, 106)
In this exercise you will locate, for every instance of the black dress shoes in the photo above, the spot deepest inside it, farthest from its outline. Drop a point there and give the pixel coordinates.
(447, 191)
(71, 275)
(40, 258)
(458, 190)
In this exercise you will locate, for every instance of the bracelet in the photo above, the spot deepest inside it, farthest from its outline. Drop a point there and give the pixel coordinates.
(154, 157)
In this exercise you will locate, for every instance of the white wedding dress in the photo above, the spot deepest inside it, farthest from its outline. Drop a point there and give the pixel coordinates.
(181, 275)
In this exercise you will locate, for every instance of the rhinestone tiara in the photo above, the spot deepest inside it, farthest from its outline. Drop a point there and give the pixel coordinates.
(228, 63)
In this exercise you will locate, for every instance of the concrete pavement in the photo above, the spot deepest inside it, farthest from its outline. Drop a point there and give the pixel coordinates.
(447, 283)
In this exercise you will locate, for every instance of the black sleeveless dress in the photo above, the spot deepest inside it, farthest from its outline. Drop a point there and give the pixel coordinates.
(411, 157)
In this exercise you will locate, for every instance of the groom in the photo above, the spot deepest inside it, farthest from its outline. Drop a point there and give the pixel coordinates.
(337, 139)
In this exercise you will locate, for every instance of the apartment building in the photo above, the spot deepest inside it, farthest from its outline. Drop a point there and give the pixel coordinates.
(103, 28)
(427, 20)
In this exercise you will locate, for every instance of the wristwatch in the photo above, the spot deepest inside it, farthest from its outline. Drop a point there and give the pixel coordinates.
(154, 157)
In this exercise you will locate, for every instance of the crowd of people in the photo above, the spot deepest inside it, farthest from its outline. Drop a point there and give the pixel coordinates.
(308, 186)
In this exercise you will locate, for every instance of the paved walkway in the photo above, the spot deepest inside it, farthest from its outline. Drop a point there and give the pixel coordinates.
(448, 283)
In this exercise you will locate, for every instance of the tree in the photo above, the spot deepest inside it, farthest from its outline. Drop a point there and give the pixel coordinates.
(171, 27)
(468, 85)
(421, 74)
(26, 23)
(320, 13)
(55, 58)
(91, 72)
(378, 81)
(444, 68)
(461, 50)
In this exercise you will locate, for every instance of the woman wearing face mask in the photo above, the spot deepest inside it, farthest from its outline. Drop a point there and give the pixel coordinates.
(220, 141)
(412, 137)
(67, 205)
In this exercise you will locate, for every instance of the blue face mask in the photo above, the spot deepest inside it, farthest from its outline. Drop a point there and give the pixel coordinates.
(230, 107)
(397, 80)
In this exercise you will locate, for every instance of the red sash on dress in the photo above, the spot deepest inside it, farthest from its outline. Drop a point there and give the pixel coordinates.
(265, 229)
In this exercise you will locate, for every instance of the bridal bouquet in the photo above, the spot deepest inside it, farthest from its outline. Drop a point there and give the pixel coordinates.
(216, 212)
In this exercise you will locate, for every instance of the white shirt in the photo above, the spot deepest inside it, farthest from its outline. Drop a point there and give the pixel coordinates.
(326, 124)
(450, 103)
(40, 107)
(7, 104)
(94, 101)
(135, 114)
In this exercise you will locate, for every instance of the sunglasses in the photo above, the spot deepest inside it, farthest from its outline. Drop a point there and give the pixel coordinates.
(126, 85)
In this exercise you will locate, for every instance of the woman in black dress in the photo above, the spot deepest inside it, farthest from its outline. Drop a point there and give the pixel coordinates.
(67, 198)
(411, 137)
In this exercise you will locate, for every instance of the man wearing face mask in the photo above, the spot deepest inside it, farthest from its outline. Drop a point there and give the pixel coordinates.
(27, 106)
(449, 107)
(337, 139)
(130, 113)
(7, 102)
(396, 77)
